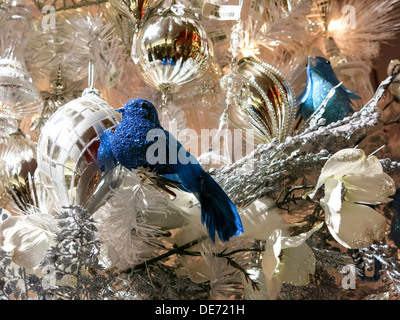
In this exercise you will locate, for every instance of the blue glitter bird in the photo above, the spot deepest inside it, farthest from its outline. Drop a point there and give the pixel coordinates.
(139, 141)
(321, 79)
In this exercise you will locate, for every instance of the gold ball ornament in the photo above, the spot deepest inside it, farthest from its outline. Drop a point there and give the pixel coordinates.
(140, 8)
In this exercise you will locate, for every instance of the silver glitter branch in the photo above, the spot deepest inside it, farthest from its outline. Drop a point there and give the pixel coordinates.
(75, 258)
(386, 256)
(275, 165)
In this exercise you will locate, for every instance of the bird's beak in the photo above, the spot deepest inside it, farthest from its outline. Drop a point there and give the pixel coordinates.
(312, 62)
(121, 110)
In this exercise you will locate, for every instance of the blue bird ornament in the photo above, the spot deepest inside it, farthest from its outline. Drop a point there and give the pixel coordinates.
(139, 141)
(320, 80)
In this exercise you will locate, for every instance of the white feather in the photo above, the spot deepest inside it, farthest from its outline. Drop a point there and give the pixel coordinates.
(284, 25)
(376, 22)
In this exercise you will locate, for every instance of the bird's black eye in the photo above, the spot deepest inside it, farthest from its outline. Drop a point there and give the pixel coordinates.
(306, 65)
(328, 62)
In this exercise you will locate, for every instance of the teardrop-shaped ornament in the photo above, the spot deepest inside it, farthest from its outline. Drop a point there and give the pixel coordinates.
(266, 104)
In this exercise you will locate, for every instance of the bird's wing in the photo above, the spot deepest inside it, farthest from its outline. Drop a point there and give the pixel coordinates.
(351, 94)
(306, 93)
(105, 156)
(185, 166)
(332, 78)
(218, 212)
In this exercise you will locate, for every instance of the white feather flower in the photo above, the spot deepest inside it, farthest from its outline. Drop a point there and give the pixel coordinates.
(260, 220)
(353, 182)
(28, 234)
(28, 237)
(129, 223)
(289, 260)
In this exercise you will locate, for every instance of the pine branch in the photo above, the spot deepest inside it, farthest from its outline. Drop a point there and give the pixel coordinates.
(182, 251)
(289, 197)
(231, 262)
(235, 265)
(177, 250)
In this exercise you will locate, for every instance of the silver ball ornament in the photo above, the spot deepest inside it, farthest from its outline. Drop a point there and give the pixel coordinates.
(171, 49)
(67, 151)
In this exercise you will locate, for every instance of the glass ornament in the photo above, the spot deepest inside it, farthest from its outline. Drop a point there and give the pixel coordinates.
(17, 166)
(236, 41)
(19, 97)
(140, 8)
(20, 12)
(202, 107)
(4, 15)
(67, 151)
(171, 49)
(231, 84)
(265, 106)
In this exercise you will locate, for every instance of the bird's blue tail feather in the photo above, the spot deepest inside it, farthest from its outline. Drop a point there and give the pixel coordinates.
(218, 212)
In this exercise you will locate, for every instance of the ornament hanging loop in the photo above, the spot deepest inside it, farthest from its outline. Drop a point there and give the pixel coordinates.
(91, 89)
(166, 96)
(91, 75)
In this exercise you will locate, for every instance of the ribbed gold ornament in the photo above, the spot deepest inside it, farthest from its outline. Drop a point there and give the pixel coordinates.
(266, 104)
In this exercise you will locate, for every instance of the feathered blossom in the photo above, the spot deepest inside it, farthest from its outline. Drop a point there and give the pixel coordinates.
(28, 237)
(129, 223)
(353, 184)
(285, 258)
(289, 260)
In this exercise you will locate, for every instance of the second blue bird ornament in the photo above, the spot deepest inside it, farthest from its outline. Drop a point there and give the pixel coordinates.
(139, 141)
(321, 79)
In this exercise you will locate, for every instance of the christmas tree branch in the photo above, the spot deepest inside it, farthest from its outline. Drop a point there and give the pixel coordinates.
(182, 251)
(278, 164)
(177, 250)
(289, 197)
